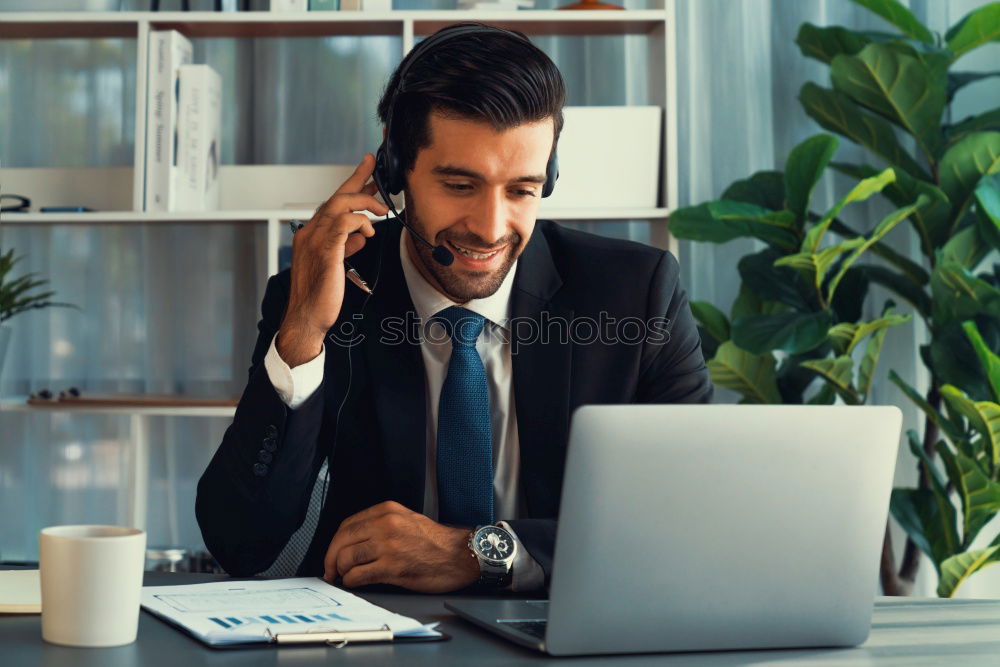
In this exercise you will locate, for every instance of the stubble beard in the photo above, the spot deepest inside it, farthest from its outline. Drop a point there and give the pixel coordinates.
(467, 285)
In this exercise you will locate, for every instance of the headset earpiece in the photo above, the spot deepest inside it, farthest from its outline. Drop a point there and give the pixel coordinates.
(551, 175)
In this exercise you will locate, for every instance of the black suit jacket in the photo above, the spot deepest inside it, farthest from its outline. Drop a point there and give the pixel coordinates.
(376, 450)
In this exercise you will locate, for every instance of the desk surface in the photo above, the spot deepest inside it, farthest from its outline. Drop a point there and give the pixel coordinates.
(905, 631)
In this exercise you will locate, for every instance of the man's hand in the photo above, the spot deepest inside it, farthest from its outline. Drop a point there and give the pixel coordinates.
(337, 230)
(390, 544)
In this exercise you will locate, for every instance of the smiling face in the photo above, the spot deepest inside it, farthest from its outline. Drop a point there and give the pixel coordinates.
(476, 191)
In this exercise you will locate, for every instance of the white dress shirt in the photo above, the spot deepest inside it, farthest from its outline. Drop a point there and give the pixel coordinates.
(295, 385)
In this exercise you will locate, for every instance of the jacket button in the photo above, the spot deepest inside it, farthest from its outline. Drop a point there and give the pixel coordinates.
(270, 444)
(271, 431)
(259, 469)
(264, 456)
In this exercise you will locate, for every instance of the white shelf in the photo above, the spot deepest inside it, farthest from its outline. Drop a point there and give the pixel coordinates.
(31, 25)
(20, 405)
(133, 217)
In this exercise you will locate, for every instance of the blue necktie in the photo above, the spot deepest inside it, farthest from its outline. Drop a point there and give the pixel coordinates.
(465, 434)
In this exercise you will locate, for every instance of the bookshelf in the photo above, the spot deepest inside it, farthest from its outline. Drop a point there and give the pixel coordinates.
(119, 191)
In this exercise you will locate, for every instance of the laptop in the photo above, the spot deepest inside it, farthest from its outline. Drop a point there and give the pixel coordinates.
(711, 527)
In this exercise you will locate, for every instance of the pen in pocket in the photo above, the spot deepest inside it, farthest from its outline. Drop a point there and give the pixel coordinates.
(351, 273)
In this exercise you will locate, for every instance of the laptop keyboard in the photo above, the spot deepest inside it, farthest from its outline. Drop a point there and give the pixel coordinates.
(533, 628)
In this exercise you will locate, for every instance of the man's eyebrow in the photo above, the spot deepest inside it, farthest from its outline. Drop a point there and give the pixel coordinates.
(447, 170)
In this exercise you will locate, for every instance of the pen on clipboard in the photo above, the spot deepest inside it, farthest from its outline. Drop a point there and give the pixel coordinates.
(351, 273)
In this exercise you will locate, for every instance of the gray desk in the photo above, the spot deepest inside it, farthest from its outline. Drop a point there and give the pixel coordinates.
(906, 631)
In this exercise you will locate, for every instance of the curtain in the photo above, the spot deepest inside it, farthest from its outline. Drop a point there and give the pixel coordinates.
(174, 308)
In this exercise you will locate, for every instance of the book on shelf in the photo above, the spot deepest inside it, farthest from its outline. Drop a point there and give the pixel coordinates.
(168, 51)
(200, 127)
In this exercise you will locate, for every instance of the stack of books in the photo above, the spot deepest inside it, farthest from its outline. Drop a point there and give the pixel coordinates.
(183, 127)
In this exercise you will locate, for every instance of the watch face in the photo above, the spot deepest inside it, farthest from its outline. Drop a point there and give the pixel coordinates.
(493, 543)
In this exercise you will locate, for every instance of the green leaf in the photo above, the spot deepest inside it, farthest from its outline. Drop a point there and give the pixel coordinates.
(963, 165)
(983, 416)
(750, 375)
(959, 295)
(932, 221)
(803, 169)
(975, 29)
(846, 336)
(813, 266)
(937, 481)
(712, 319)
(724, 220)
(770, 282)
(987, 196)
(793, 332)
(918, 514)
(881, 229)
(946, 539)
(989, 359)
(837, 112)
(825, 396)
(899, 16)
(860, 192)
(953, 360)
(869, 363)
(904, 90)
(839, 374)
(966, 248)
(975, 490)
(936, 417)
(765, 189)
(851, 294)
(899, 284)
(825, 43)
(960, 567)
(989, 120)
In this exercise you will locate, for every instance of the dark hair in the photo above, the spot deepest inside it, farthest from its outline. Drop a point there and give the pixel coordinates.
(492, 76)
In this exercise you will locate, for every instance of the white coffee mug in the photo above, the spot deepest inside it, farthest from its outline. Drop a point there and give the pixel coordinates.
(91, 581)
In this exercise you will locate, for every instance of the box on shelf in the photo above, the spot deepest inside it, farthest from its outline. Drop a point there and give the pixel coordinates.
(609, 157)
(289, 5)
(324, 5)
(168, 51)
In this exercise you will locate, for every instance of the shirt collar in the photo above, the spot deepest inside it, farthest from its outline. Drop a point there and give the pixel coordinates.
(428, 302)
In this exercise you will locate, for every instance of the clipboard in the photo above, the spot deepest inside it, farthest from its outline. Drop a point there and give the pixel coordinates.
(297, 611)
(292, 639)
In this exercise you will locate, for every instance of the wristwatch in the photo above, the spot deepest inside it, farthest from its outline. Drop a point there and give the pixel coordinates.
(494, 548)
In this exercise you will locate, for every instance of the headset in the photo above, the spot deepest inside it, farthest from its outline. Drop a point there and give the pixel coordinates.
(389, 174)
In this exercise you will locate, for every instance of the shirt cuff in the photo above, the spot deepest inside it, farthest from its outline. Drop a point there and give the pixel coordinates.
(294, 385)
(526, 573)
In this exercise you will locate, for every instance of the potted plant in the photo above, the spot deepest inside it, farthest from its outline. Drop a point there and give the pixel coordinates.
(789, 321)
(888, 86)
(16, 297)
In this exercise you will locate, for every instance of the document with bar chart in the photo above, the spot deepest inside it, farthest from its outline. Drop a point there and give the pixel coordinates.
(251, 612)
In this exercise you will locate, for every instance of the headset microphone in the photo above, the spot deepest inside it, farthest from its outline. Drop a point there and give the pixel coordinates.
(441, 255)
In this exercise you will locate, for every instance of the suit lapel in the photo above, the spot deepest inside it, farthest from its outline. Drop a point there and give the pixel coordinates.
(397, 376)
(541, 365)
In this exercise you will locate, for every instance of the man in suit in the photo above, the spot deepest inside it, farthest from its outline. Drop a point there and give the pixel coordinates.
(376, 432)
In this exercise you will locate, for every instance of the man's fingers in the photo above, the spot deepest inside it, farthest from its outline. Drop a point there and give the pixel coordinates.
(350, 203)
(370, 573)
(354, 555)
(355, 528)
(360, 176)
(355, 242)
